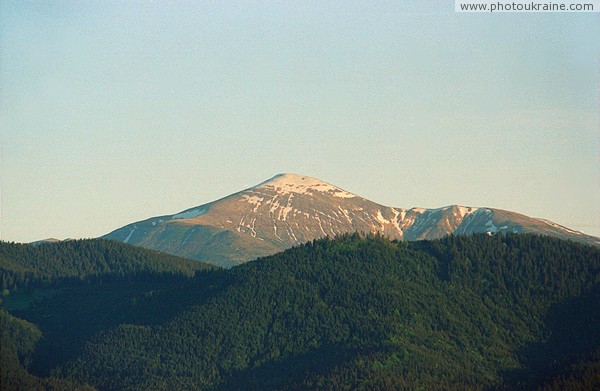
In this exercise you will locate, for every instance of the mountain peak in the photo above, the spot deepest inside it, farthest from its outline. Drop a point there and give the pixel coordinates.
(48, 240)
(290, 209)
(287, 183)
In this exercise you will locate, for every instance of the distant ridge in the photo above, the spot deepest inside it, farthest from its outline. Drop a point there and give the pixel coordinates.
(290, 209)
(45, 241)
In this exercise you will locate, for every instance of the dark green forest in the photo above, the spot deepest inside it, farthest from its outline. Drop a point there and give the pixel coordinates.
(353, 312)
(26, 266)
(34, 275)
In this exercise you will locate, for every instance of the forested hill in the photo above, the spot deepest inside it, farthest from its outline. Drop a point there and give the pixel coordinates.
(480, 312)
(26, 266)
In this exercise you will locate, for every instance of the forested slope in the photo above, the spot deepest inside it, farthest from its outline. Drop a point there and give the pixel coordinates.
(27, 266)
(478, 312)
(68, 274)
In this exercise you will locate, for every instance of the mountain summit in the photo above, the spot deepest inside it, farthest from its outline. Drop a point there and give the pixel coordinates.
(290, 209)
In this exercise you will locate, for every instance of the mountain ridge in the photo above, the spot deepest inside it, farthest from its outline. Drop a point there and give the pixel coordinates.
(290, 209)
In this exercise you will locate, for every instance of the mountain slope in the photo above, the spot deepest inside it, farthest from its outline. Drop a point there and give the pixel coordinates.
(291, 209)
(472, 312)
(25, 266)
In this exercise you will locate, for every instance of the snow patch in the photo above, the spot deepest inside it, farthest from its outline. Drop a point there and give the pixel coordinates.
(466, 210)
(345, 213)
(491, 227)
(398, 216)
(189, 214)
(342, 194)
(382, 220)
(275, 228)
(128, 236)
(188, 236)
(254, 200)
(291, 233)
(321, 226)
(300, 184)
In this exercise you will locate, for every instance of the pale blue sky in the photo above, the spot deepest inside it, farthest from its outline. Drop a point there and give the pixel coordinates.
(112, 112)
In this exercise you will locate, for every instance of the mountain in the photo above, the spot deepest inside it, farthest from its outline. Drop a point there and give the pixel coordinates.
(291, 209)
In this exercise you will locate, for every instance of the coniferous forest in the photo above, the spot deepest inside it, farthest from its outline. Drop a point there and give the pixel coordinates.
(483, 312)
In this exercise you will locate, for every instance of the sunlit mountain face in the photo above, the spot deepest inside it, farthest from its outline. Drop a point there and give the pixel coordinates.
(290, 209)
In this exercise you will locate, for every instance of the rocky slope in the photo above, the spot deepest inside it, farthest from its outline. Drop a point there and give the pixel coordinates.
(290, 209)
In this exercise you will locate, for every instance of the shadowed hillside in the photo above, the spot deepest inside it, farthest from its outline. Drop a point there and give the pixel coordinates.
(481, 312)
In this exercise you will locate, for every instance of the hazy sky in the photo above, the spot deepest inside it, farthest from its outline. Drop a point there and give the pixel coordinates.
(115, 111)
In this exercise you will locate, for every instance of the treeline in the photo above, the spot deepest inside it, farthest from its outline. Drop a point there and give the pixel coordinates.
(24, 266)
(366, 313)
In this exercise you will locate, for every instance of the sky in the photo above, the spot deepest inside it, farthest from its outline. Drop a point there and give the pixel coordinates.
(112, 112)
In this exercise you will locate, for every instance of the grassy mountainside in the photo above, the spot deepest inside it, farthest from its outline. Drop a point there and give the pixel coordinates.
(513, 311)
(290, 209)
